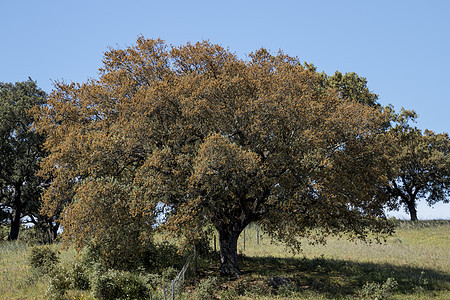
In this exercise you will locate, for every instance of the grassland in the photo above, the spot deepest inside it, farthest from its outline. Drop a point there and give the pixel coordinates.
(416, 258)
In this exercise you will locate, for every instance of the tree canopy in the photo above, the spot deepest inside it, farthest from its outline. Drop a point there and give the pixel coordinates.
(213, 139)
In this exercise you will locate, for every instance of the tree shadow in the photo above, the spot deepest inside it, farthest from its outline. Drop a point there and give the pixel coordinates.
(336, 278)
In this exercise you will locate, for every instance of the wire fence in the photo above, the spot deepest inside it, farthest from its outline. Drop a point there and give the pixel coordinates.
(170, 290)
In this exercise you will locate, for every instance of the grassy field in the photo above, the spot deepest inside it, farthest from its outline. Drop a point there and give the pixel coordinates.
(17, 279)
(414, 263)
(417, 257)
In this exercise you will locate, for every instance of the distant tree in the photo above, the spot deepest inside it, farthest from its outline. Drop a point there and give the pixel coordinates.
(21, 151)
(212, 139)
(421, 165)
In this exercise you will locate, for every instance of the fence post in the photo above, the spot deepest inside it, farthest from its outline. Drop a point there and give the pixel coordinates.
(195, 259)
(257, 234)
(173, 289)
(183, 271)
(164, 291)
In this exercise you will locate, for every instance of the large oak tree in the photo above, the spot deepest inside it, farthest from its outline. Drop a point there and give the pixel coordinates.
(213, 139)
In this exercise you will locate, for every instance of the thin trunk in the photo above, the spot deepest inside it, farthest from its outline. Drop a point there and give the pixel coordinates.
(16, 214)
(228, 253)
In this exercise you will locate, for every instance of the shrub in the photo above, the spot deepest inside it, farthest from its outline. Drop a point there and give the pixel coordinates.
(3, 232)
(229, 294)
(151, 257)
(287, 289)
(157, 280)
(206, 288)
(282, 285)
(161, 256)
(203, 247)
(61, 280)
(120, 285)
(78, 276)
(58, 285)
(43, 259)
(91, 257)
(379, 291)
(154, 280)
(168, 274)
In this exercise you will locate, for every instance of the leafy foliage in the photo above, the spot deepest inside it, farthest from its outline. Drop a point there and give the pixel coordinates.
(58, 285)
(211, 140)
(120, 285)
(43, 259)
(79, 277)
(350, 86)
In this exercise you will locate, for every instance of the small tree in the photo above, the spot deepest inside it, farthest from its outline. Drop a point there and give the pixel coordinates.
(213, 139)
(421, 166)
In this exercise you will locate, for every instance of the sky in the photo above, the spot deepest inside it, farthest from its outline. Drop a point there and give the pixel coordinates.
(401, 47)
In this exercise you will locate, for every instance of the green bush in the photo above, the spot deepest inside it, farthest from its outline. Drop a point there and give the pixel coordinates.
(91, 257)
(282, 286)
(206, 288)
(3, 232)
(161, 256)
(120, 285)
(152, 258)
(229, 294)
(374, 290)
(43, 259)
(168, 274)
(58, 285)
(78, 276)
(154, 280)
(62, 280)
(287, 289)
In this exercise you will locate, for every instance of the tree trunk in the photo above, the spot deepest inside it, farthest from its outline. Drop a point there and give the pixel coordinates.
(228, 252)
(412, 209)
(49, 230)
(16, 214)
(15, 225)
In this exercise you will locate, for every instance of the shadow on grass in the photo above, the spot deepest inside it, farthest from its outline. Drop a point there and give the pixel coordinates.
(336, 278)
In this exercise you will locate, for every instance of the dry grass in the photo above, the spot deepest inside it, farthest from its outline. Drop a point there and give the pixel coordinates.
(416, 256)
(17, 279)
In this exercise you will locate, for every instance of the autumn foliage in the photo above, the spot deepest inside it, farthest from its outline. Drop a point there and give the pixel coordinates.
(211, 139)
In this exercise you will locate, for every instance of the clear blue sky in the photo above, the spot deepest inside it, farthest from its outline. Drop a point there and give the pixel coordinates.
(401, 47)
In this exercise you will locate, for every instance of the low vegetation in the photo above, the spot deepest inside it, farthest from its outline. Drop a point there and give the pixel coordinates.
(414, 263)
